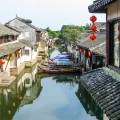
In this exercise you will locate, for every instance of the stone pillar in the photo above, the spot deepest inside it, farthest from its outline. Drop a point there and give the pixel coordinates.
(13, 65)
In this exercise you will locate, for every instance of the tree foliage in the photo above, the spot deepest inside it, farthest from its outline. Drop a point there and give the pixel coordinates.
(53, 34)
(70, 34)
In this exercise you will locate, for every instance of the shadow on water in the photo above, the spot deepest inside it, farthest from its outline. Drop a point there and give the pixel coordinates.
(23, 91)
(88, 103)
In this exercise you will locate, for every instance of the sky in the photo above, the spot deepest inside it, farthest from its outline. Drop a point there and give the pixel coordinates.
(48, 13)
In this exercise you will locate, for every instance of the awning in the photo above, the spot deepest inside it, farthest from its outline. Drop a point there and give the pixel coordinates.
(7, 48)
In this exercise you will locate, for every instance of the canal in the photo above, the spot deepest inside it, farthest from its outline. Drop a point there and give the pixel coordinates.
(45, 97)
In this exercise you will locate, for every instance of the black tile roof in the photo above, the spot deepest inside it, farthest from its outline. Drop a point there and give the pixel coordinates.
(100, 49)
(98, 6)
(89, 44)
(27, 22)
(7, 48)
(104, 87)
(7, 31)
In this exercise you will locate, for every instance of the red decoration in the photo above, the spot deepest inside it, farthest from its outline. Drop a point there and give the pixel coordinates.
(119, 37)
(89, 53)
(81, 50)
(93, 18)
(2, 62)
(93, 28)
(84, 52)
(18, 53)
(119, 27)
(92, 36)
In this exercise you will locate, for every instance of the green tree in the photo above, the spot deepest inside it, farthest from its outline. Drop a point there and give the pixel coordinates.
(53, 34)
(70, 34)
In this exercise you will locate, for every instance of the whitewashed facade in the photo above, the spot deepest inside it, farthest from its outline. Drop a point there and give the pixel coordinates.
(25, 28)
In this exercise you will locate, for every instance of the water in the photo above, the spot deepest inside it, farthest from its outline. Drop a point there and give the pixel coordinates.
(45, 97)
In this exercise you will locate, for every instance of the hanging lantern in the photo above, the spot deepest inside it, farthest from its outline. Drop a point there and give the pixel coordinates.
(81, 50)
(84, 52)
(119, 37)
(18, 53)
(89, 53)
(119, 27)
(7, 57)
(2, 62)
(93, 28)
(93, 18)
(92, 36)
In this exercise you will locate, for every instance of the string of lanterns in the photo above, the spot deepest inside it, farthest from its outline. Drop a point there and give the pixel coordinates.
(2, 61)
(86, 52)
(93, 36)
(8, 57)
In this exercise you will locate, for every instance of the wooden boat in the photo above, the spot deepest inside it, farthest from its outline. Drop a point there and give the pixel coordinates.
(58, 70)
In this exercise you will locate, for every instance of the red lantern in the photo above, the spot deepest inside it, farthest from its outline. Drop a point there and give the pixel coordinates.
(93, 18)
(93, 28)
(92, 36)
(2, 62)
(18, 53)
(119, 37)
(119, 27)
(84, 52)
(81, 49)
(89, 53)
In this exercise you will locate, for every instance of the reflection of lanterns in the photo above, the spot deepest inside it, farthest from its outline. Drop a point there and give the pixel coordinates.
(2, 62)
(92, 36)
(93, 18)
(93, 28)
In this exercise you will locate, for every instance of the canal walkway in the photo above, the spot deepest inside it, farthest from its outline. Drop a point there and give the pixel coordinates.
(104, 88)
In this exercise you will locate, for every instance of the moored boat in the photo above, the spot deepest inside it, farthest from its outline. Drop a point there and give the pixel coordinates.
(58, 70)
(60, 64)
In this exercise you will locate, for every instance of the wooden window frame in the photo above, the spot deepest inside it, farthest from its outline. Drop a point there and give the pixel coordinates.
(110, 40)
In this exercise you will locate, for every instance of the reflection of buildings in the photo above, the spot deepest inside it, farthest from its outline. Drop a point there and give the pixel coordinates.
(23, 91)
(32, 93)
(88, 103)
(67, 78)
(10, 99)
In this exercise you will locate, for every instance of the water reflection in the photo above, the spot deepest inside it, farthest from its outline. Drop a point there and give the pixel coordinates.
(67, 78)
(88, 103)
(23, 91)
(57, 101)
(26, 99)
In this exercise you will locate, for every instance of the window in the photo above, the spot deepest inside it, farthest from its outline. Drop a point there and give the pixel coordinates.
(26, 52)
(117, 44)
